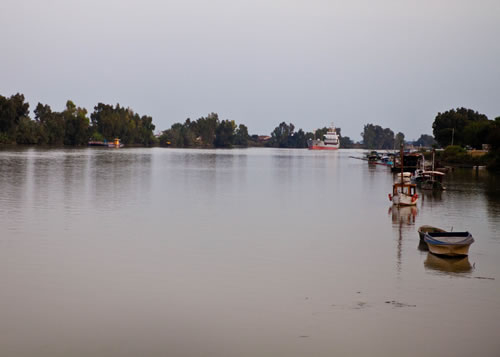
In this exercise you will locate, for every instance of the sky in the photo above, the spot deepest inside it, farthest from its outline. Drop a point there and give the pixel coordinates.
(394, 63)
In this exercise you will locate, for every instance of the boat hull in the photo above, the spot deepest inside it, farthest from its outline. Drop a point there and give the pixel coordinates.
(404, 200)
(449, 243)
(449, 250)
(318, 147)
(426, 229)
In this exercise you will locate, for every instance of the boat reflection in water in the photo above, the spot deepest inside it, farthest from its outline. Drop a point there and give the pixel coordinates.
(403, 218)
(448, 264)
(422, 246)
(403, 215)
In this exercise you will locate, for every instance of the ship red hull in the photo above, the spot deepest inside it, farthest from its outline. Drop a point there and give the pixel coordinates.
(323, 148)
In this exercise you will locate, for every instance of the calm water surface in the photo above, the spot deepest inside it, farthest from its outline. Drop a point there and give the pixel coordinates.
(256, 252)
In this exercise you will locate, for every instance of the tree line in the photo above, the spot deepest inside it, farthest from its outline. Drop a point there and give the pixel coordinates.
(459, 127)
(206, 132)
(72, 126)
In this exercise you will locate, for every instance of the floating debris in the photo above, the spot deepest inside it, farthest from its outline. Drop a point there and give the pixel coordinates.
(399, 304)
(483, 277)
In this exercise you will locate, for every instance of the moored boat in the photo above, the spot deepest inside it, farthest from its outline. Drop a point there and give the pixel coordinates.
(448, 243)
(404, 193)
(115, 144)
(432, 180)
(425, 229)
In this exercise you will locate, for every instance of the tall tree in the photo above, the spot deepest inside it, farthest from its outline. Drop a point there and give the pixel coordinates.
(376, 137)
(76, 125)
(451, 126)
(12, 110)
(425, 141)
(224, 134)
(281, 134)
(241, 136)
(52, 125)
(399, 140)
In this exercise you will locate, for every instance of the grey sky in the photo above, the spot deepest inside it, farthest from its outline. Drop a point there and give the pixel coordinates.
(395, 63)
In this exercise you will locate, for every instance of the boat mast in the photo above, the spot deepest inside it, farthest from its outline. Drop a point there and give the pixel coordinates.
(433, 154)
(401, 158)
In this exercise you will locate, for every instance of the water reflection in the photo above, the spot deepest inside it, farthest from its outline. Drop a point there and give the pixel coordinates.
(448, 264)
(402, 217)
(430, 197)
(422, 246)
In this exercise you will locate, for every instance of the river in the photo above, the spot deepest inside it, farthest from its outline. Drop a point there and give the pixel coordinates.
(242, 252)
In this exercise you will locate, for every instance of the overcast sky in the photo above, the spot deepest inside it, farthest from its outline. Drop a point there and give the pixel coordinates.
(395, 63)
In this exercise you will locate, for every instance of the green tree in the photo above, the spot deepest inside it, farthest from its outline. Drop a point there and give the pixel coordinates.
(241, 136)
(399, 140)
(12, 110)
(205, 127)
(281, 134)
(376, 137)
(494, 142)
(28, 131)
(76, 125)
(225, 133)
(425, 141)
(346, 142)
(450, 126)
(120, 122)
(52, 125)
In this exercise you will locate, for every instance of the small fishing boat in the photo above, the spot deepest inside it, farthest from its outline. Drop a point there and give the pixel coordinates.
(432, 180)
(115, 144)
(448, 243)
(404, 193)
(373, 156)
(428, 229)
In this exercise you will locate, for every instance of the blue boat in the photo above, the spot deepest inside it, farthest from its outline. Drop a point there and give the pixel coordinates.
(449, 243)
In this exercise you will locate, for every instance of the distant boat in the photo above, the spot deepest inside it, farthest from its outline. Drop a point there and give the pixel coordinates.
(116, 143)
(330, 141)
(448, 243)
(373, 156)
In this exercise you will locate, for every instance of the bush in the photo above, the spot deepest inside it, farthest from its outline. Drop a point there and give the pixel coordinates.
(458, 155)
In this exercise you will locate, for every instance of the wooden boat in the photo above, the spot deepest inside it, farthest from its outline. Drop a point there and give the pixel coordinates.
(432, 180)
(448, 243)
(425, 229)
(404, 193)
